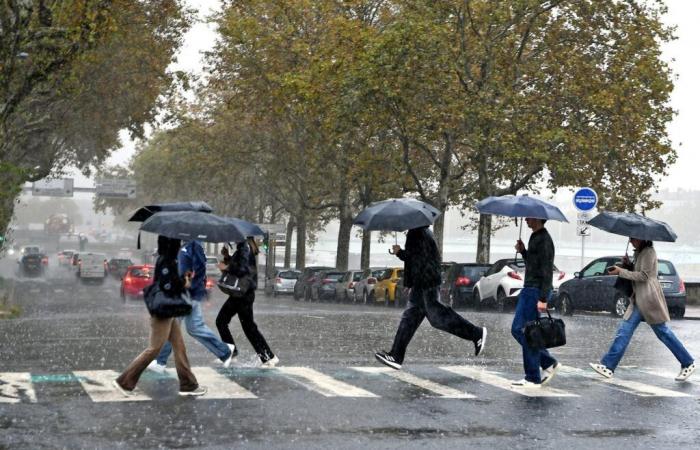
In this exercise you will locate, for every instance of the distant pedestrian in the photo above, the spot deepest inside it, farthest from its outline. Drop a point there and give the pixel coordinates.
(537, 287)
(191, 258)
(422, 274)
(646, 304)
(162, 330)
(243, 264)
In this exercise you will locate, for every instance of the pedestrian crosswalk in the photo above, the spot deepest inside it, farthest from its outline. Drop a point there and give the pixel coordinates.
(360, 382)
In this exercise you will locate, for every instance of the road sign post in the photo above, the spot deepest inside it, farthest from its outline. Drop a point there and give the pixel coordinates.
(56, 187)
(115, 188)
(585, 201)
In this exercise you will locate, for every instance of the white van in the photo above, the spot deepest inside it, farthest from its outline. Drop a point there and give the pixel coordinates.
(92, 267)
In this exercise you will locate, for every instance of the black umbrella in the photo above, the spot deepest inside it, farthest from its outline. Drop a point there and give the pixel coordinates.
(195, 225)
(145, 212)
(396, 214)
(634, 225)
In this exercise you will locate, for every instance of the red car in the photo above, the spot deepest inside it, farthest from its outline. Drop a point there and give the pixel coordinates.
(135, 280)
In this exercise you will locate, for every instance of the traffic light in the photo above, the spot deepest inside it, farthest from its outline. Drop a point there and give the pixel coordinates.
(266, 241)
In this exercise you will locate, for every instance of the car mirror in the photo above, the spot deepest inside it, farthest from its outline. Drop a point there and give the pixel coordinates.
(577, 274)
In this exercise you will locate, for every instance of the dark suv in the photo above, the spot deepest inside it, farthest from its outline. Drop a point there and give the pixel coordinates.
(32, 262)
(458, 284)
(592, 289)
(302, 289)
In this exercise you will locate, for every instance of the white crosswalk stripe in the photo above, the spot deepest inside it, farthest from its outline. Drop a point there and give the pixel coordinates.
(322, 383)
(220, 387)
(98, 385)
(16, 387)
(632, 387)
(436, 388)
(490, 378)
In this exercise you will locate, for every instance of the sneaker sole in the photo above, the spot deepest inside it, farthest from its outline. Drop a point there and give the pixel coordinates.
(483, 343)
(121, 390)
(599, 372)
(393, 365)
(555, 369)
(686, 377)
(192, 393)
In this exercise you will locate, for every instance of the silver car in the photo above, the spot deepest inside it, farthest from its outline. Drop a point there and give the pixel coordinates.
(285, 279)
(364, 288)
(345, 288)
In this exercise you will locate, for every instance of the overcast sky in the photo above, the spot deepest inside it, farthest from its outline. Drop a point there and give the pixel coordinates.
(682, 54)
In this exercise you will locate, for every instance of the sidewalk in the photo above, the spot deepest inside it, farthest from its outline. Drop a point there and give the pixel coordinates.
(692, 312)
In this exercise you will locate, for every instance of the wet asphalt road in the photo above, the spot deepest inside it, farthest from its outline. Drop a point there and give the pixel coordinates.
(333, 401)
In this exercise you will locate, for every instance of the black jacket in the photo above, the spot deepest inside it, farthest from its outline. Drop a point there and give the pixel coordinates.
(421, 260)
(166, 271)
(243, 263)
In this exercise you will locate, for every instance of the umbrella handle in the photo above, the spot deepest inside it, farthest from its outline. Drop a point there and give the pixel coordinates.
(520, 236)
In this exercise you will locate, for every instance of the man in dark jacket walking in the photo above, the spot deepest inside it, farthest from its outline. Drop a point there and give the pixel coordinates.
(422, 274)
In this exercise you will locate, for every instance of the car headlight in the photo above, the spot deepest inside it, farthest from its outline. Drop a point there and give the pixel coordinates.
(11, 252)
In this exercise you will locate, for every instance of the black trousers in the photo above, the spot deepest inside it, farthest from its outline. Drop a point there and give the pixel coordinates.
(244, 308)
(424, 303)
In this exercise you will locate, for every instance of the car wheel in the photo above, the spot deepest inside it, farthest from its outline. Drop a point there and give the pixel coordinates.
(501, 300)
(365, 297)
(677, 313)
(386, 298)
(307, 295)
(476, 300)
(122, 295)
(620, 305)
(274, 293)
(565, 305)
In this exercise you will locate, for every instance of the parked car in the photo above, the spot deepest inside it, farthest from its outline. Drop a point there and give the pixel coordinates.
(302, 288)
(136, 279)
(402, 292)
(65, 258)
(32, 261)
(502, 283)
(345, 288)
(285, 279)
(92, 267)
(592, 289)
(212, 268)
(323, 287)
(385, 289)
(364, 288)
(117, 267)
(457, 288)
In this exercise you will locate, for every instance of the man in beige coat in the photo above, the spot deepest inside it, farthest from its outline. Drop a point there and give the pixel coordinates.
(647, 303)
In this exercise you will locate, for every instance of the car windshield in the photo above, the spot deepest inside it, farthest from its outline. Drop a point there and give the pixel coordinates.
(121, 262)
(289, 275)
(212, 260)
(518, 265)
(473, 271)
(357, 276)
(377, 273)
(335, 275)
(143, 272)
(666, 269)
(31, 250)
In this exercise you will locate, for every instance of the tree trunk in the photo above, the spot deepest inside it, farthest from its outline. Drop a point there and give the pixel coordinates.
(301, 242)
(483, 248)
(288, 244)
(344, 231)
(366, 245)
(439, 231)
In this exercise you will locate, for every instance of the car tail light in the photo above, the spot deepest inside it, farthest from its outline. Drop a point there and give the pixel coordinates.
(351, 285)
(327, 281)
(371, 280)
(515, 275)
(682, 287)
(462, 281)
(209, 283)
(561, 275)
(128, 279)
(278, 280)
(45, 260)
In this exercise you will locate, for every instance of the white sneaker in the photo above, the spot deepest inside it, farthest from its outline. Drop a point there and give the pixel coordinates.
(525, 384)
(549, 372)
(123, 391)
(686, 372)
(480, 344)
(270, 363)
(231, 358)
(201, 390)
(602, 370)
(155, 367)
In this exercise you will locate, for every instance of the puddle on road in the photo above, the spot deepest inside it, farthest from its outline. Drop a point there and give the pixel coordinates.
(608, 433)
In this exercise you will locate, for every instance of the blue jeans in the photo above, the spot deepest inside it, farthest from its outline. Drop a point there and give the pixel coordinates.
(194, 322)
(624, 335)
(533, 358)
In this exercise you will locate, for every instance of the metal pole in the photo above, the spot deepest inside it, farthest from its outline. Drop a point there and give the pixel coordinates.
(583, 247)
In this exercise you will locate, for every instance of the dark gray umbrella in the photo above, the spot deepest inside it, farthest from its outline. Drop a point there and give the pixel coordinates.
(245, 227)
(634, 225)
(520, 206)
(195, 225)
(145, 212)
(396, 214)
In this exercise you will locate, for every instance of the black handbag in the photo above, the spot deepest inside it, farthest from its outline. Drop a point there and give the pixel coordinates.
(235, 286)
(624, 286)
(164, 307)
(545, 332)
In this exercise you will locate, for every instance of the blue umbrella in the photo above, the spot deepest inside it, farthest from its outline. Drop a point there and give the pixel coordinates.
(396, 214)
(520, 206)
(634, 225)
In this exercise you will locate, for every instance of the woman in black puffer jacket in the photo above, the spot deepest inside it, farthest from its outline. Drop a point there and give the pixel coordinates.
(422, 274)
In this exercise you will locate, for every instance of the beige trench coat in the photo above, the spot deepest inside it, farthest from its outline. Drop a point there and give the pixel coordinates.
(648, 295)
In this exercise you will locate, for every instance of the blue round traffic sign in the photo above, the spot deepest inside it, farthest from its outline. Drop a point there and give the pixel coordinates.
(585, 199)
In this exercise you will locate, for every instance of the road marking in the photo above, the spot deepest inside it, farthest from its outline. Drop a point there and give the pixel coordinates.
(629, 386)
(98, 385)
(490, 378)
(218, 386)
(672, 376)
(440, 389)
(16, 388)
(322, 383)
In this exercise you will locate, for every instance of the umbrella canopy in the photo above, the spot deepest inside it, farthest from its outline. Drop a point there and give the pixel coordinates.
(145, 212)
(634, 225)
(396, 214)
(195, 225)
(246, 228)
(520, 206)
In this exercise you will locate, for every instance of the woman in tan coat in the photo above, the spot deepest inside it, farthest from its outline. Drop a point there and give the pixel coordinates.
(648, 304)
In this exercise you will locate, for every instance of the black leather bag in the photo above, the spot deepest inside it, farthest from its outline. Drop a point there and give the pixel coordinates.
(164, 307)
(624, 286)
(545, 332)
(235, 286)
